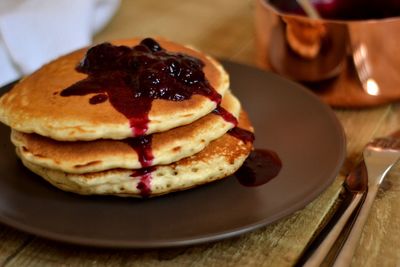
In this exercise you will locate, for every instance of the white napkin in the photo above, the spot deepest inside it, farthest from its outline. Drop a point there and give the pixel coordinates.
(33, 32)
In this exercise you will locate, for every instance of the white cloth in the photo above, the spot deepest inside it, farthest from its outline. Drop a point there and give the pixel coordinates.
(33, 32)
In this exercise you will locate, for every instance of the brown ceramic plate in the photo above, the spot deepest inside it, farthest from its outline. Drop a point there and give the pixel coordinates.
(287, 118)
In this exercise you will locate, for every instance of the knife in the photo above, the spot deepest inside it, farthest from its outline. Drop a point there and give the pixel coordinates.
(328, 242)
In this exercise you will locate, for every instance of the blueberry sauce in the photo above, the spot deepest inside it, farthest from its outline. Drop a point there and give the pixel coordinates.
(131, 78)
(226, 115)
(145, 180)
(242, 134)
(97, 99)
(142, 146)
(260, 167)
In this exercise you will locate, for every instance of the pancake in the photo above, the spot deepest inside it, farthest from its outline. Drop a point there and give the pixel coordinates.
(220, 158)
(99, 155)
(36, 103)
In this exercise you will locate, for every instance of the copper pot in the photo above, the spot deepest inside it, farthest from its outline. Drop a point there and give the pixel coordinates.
(314, 50)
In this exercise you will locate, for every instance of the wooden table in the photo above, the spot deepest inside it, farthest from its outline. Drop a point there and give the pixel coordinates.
(224, 28)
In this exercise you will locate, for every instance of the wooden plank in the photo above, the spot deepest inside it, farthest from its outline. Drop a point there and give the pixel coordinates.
(360, 126)
(11, 242)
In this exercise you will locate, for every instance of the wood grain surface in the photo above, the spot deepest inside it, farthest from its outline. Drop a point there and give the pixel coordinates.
(224, 28)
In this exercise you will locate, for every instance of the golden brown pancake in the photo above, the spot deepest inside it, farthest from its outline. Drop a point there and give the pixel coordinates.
(219, 159)
(35, 105)
(99, 155)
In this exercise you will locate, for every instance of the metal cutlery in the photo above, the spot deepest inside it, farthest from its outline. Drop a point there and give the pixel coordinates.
(380, 155)
(337, 242)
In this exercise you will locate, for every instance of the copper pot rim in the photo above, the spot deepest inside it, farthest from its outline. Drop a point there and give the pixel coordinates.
(267, 5)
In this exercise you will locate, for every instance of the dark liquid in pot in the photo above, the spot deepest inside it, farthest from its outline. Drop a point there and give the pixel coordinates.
(344, 9)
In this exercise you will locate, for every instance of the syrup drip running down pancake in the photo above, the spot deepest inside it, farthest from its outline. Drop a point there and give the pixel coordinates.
(66, 104)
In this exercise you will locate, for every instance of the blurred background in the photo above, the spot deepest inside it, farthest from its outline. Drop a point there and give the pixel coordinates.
(34, 32)
(341, 57)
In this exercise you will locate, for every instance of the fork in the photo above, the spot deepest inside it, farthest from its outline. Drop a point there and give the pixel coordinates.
(379, 155)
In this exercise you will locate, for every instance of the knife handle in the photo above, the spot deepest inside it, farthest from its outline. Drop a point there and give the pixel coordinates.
(346, 254)
(320, 254)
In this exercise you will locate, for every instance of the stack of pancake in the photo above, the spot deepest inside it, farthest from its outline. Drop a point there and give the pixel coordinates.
(78, 123)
